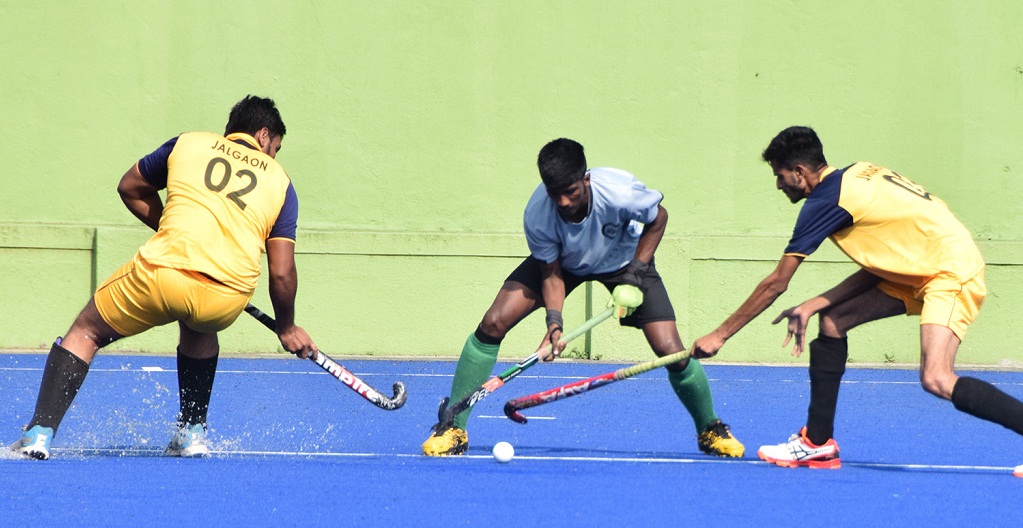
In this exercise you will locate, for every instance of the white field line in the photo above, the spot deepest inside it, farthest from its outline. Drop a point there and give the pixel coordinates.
(617, 460)
(150, 369)
(522, 376)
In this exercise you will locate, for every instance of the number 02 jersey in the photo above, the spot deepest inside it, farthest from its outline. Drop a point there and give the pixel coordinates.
(225, 199)
(888, 225)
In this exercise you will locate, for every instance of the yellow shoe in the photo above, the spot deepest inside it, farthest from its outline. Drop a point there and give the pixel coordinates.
(717, 439)
(452, 441)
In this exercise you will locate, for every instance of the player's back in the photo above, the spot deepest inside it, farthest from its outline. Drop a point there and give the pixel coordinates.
(900, 231)
(223, 199)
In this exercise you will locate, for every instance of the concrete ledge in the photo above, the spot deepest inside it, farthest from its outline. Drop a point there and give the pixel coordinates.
(425, 244)
(46, 236)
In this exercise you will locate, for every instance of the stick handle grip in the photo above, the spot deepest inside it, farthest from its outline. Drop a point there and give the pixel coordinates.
(646, 366)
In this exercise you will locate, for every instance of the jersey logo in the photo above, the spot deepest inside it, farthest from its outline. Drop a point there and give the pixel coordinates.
(610, 230)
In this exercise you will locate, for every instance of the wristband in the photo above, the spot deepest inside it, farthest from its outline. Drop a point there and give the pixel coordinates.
(554, 318)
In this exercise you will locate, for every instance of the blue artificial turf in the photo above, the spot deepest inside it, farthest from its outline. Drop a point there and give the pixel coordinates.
(294, 447)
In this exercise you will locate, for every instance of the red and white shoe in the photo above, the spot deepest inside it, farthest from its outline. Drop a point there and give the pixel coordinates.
(1018, 472)
(801, 452)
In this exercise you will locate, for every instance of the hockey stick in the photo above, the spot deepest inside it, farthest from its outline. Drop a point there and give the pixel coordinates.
(446, 414)
(341, 373)
(512, 407)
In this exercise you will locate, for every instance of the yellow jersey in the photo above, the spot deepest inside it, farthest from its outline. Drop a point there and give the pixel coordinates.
(888, 225)
(225, 199)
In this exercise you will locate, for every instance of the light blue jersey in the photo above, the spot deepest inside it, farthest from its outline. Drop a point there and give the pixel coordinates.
(605, 241)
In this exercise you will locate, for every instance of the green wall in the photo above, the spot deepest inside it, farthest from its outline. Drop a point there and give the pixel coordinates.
(414, 126)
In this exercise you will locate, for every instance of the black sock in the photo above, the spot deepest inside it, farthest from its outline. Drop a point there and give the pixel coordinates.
(195, 384)
(827, 365)
(62, 377)
(985, 401)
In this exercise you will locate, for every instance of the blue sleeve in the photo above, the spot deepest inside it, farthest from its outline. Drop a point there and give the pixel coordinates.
(153, 167)
(541, 245)
(538, 225)
(819, 218)
(644, 203)
(544, 250)
(286, 225)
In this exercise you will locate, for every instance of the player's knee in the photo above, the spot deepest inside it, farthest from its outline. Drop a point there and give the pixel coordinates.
(493, 326)
(678, 367)
(87, 338)
(938, 383)
(666, 345)
(831, 324)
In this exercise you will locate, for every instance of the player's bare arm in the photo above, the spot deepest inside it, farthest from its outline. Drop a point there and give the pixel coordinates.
(652, 235)
(553, 291)
(798, 316)
(140, 197)
(280, 256)
(762, 297)
(627, 296)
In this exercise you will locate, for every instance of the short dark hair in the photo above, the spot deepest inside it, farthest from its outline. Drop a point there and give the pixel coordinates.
(793, 146)
(252, 114)
(561, 163)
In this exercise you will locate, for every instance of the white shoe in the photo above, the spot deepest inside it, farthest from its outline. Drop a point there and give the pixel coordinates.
(34, 443)
(189, 441)
(1018, 472)
(801, 452)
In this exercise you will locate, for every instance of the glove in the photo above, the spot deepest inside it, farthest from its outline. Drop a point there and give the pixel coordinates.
(634, 272)
(624, 300)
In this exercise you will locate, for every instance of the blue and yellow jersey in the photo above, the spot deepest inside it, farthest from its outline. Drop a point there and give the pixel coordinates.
(888, 225)
(225, 199)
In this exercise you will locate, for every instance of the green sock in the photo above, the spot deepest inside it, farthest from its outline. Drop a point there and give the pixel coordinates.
(693, 391)
(474, 367)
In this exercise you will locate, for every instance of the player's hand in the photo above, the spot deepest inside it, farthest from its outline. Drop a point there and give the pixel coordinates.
(707, 346)
(552, 346)
(294, 339)
(624, 300)
(798, 317)
(635, 272)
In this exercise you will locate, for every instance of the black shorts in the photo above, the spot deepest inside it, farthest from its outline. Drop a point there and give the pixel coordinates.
(656, 305)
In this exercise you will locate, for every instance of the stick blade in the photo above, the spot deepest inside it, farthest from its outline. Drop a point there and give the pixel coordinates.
(398, 399)
(512, 413)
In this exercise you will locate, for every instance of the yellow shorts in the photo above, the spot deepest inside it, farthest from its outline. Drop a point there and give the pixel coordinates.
(140, 296)
(942, 301)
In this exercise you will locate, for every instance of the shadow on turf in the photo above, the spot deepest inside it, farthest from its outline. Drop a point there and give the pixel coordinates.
(928, 468)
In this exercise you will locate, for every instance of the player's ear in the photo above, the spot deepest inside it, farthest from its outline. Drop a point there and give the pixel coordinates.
(264, 139)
